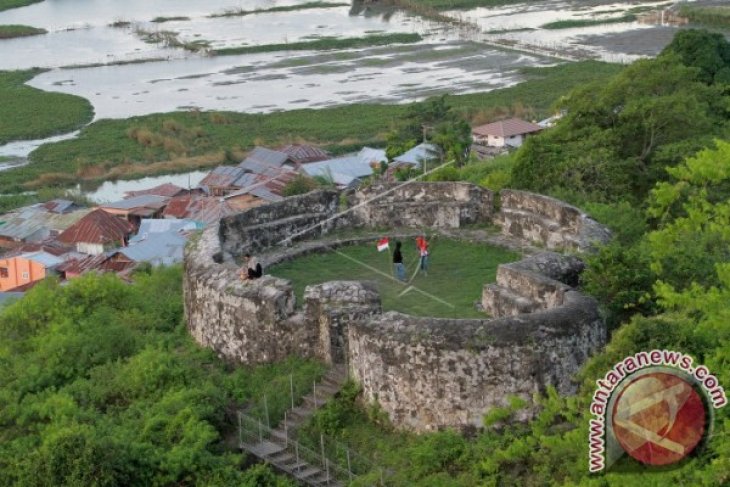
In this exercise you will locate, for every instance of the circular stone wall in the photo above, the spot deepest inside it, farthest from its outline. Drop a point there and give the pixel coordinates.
(426, 373)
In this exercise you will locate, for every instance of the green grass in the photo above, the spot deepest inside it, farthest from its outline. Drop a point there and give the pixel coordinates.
(325, 44)
(457, 272)
(30, 113)
(569, 24)
(11, 31)
(144, 145)
(715, 15)
(282, 8)
(8, 4)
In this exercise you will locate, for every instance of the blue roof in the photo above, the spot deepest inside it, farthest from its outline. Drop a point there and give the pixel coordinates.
(48, 260)
(421, 152)
(163, 248)
(149, 227)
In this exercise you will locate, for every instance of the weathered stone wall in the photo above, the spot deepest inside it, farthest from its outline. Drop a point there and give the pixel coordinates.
(548, 221)
(261, 227)
(334, 306)
(422, 205)
(429, 373)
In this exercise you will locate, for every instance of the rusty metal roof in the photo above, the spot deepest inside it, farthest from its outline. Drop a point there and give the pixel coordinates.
(167, 189)
(97, 227)
(302, 153)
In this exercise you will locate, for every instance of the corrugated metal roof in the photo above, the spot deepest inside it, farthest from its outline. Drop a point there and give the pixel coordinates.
(59, 206)
(261, 157)
(167, 189)
(370, 155)
(28, 221)
(150, 227)
(159, 249)
(177, 207)
(97, 227)
(506, 128)
(222, 176)
(302, 153)
(342, 170)
(142, 201)
(421, 152)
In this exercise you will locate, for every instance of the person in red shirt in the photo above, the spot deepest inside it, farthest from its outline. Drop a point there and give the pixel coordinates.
(422, 246)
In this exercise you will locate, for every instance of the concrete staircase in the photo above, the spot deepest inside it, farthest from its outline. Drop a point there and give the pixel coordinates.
(279, 447)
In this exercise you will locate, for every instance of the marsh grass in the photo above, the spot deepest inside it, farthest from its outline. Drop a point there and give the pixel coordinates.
(283, 8)
(8, 4)
(572, 23)
(30, 113)
(160, 20)
(12, 31)
(325, 44)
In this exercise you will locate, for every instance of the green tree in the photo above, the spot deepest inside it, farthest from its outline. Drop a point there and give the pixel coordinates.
(708, 51)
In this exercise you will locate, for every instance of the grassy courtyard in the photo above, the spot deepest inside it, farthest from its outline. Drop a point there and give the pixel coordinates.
(457, 272)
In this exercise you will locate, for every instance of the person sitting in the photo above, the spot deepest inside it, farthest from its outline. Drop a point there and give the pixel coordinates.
(251, 268)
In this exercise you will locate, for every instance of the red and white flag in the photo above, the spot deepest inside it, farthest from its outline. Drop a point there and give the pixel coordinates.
(383, 244)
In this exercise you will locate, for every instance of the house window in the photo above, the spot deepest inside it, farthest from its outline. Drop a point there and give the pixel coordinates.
(26, 276)
(4, 272)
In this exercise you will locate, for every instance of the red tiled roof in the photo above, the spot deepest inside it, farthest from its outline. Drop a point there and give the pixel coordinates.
(97, 227)
(302, 154)
(506, 128)
(166, 189)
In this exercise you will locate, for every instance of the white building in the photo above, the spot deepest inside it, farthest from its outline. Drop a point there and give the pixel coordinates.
(505, 133)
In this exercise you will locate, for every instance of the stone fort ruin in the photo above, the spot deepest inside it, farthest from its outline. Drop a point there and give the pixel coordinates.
(426, 373)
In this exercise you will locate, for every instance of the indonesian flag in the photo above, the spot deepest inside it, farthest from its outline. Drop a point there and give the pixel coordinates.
(383, 244)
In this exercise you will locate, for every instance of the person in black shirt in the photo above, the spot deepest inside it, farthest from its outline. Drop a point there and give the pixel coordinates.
(400, 269)
(251, 269)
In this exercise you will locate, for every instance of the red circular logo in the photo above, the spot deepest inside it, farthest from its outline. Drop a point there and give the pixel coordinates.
(659, 418)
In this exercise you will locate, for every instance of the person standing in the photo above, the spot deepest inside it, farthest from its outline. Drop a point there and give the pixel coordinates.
(400, 269)
(422, 246)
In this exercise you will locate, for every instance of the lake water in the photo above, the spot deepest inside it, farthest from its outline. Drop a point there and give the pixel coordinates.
(115, 190)
(448, 60)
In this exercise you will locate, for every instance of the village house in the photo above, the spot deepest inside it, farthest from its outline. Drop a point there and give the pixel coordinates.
(260, 159)
(19, 272)
(504, 133)
(97, 232)
(136, 208)
(37, 223)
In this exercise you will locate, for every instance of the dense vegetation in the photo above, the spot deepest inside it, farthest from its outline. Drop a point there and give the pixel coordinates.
(178, 141)
(664, 281)
(11, 31)
(457, 273)
(29, 113)
(100, 384)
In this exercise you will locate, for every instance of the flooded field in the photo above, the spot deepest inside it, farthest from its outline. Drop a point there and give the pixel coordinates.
(126, 75)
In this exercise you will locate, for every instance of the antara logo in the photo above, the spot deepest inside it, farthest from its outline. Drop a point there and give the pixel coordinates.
(654, 406)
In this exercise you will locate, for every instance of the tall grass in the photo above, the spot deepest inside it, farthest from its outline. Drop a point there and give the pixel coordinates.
(325, 44)
(30, 113)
